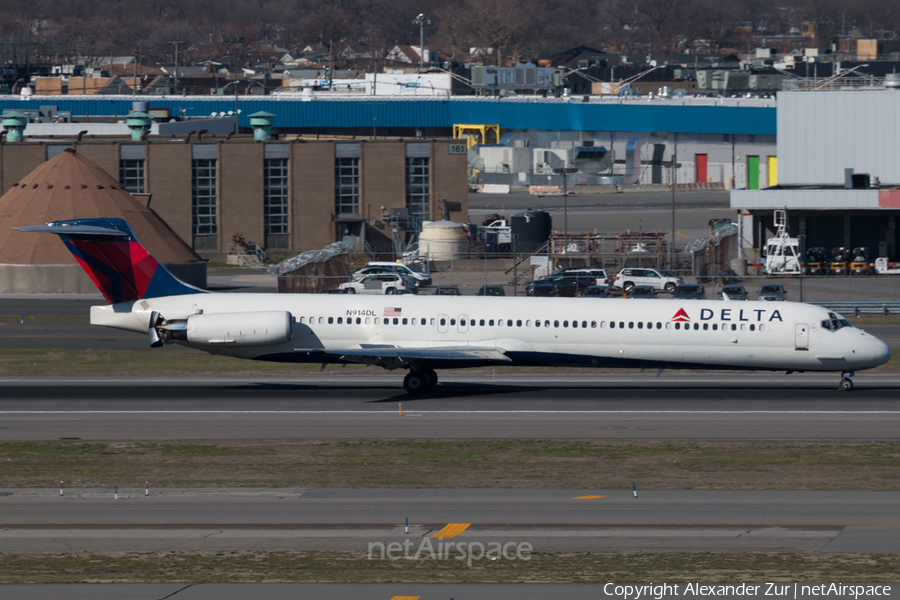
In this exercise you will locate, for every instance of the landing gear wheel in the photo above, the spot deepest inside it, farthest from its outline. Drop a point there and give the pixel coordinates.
(670, 287)
(432, 379)
(846, 384)
(416, 382)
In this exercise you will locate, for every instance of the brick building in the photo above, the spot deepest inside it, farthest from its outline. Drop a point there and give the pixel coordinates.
(285, 195)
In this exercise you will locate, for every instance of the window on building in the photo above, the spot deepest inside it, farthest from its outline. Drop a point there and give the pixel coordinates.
(346, 186)
(275, 202)
(203, 192)
(131, 175)
(418, 190)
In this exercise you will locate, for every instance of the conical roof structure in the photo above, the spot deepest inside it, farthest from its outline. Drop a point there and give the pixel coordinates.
(68, 186)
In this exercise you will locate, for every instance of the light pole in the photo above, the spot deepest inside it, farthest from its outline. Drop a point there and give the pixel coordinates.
(176, 44)
(422, 21)
(565, 172)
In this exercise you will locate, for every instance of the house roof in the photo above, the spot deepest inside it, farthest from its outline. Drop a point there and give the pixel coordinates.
(68, 186)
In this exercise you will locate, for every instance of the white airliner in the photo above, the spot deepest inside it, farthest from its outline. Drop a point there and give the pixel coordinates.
(423, 334)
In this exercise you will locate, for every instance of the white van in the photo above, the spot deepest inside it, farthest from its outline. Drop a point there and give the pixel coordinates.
(422, 279)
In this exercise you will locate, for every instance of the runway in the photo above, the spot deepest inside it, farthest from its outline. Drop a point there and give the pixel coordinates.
(548, 520)
(576, 404)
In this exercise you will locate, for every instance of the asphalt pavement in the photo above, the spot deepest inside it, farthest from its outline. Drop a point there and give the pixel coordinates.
(548, 520)
(569, 404)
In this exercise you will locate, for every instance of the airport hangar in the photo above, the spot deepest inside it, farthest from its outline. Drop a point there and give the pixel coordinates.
(335, 164)
(825, 137)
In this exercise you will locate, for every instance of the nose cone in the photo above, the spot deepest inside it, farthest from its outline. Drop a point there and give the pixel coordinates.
(875, 352)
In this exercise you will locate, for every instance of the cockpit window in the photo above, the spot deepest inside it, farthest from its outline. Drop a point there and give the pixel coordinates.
(835, 323)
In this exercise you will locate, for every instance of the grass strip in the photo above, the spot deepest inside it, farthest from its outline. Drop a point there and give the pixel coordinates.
(354, 567)
(529, 464)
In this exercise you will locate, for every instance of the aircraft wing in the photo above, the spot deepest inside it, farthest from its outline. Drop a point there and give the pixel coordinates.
(393, 357)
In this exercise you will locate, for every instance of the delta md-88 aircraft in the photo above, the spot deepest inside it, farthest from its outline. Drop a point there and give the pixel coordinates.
(423, 334)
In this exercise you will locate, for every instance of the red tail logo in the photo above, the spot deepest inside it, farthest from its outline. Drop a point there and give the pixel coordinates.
(681, 316)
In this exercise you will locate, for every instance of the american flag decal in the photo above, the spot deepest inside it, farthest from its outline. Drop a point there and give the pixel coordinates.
(392, 311)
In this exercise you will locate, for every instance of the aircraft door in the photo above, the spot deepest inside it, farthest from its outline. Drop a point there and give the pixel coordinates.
(443, 323)
(801, 336)
(463, 324)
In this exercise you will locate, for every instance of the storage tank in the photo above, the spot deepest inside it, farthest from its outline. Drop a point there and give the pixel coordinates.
(443, 240)
(530, 230)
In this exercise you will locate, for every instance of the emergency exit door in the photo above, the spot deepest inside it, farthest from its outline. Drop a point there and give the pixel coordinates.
(801, 337)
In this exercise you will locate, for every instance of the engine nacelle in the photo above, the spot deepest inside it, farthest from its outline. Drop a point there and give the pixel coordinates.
(238, 329)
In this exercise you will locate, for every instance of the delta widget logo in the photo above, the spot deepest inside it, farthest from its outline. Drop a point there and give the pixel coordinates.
(681, 316)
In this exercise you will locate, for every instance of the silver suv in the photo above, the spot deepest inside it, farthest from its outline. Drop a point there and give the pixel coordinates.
(658, 280)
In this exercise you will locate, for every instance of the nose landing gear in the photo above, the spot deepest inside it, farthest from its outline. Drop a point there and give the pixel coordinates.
(420, 381)
(846, 383)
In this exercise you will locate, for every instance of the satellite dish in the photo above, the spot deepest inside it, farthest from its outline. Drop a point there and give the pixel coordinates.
(680, 93)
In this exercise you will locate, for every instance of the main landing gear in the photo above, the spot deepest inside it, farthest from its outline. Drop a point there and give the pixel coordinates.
(420, 381)
(846, 383)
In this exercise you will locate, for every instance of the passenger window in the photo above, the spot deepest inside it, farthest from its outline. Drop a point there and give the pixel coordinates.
(481, 322)
(743, 327)
(302, 320)
(330, 320)
(565, 323)
(432, 321)
(733, 327)
(491, 323)
(593, 324)
(715, 326)
(412, 321)
(640, 325)
(396, 320)
(677, 325)
(452, 321)
(339, 321)
(696, 326)
(668, 326)
(546, 323)
(706, 327)
(575, 324)
(612, 324)
(404, 321)
(584, 324)
(752, 327)
(519, 323)
(537, 323)
(368, 320)
(630, 325)
(761, 327)
(443, 322)
(509, 323)
(556, 323)
(423, 322)
(528, 323)
(659, 325)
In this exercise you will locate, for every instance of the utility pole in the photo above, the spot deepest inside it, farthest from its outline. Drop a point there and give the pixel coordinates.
(176, 44)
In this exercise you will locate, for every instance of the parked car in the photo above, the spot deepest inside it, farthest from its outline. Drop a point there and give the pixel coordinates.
(335, 291)
(689, 291)
(423, 279)
(772, 292)
(378, 269)
(599, 276)
(596, 291)
(733, 292)
(658, 280)
(541, 289)
(447, 290)
(565, 285)
(378, 283)
(640, 291)
(491, 290)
